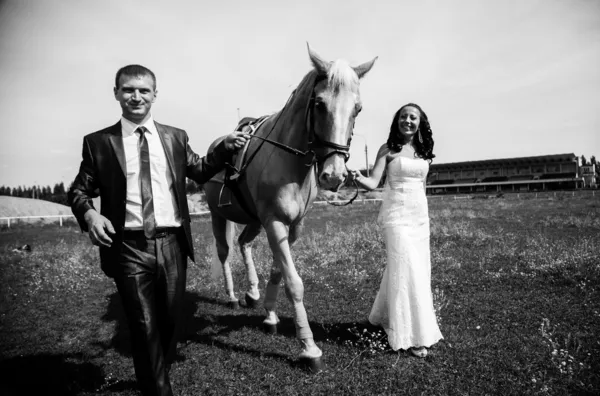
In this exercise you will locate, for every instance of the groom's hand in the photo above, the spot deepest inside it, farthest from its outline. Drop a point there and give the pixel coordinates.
(236, 140)
(98, 227)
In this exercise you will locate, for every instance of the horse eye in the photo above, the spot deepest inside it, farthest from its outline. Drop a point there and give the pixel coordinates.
(320, 105)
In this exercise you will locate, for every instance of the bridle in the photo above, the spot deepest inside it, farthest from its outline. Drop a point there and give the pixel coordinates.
(318, 148)
(322, 149)
(315, 143)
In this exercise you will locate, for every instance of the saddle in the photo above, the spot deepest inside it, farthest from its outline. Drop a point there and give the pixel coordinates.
(234, 171)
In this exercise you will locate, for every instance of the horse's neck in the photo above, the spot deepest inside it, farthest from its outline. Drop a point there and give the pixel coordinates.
(287, 173)
(292, 131)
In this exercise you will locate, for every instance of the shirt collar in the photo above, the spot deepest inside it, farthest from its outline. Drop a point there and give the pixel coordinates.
(128, 128)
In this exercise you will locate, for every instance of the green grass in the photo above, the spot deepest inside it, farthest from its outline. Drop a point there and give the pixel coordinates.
(516, 287)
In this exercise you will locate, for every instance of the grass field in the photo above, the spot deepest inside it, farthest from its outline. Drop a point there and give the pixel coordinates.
(516, 288)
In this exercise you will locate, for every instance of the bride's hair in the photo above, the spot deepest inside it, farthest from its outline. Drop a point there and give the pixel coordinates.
(423, 139)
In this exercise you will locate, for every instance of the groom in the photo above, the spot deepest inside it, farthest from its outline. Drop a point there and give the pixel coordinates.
(139, 169)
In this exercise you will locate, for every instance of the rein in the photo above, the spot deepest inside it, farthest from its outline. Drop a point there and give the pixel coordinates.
(349, 201)
(282, 146)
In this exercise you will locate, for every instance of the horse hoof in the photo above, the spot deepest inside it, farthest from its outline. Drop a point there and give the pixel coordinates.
(250, 302)
(270, 328)
(233, 305)
(313, 365)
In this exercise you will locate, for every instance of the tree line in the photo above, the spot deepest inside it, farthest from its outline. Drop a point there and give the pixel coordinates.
(56, 194)
(591, 161)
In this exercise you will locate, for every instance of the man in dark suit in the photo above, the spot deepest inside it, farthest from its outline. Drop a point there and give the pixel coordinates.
(139, 169)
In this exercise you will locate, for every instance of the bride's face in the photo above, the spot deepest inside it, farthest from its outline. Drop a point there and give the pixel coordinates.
(408, 122)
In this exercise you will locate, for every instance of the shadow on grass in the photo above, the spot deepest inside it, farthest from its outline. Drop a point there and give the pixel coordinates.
(48, 374)
(211, 327)
(120, 340)
(342, 333)
(216, 322)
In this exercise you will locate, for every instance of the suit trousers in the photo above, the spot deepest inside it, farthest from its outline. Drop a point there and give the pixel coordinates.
(151, 284)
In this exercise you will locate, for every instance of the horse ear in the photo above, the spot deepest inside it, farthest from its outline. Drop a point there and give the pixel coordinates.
(363, 69)
(319, 63)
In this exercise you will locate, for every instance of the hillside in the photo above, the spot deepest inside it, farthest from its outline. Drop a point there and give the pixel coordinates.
(14, 206)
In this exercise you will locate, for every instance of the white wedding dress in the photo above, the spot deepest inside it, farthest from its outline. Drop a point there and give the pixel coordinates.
(404, 303)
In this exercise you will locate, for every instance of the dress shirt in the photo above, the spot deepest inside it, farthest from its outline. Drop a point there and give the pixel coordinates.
(165, 206)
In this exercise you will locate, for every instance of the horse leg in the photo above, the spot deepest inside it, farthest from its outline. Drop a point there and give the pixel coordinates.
(250, 232)
(272, 291)
(279, 240)
(272, 320)
(223, 231)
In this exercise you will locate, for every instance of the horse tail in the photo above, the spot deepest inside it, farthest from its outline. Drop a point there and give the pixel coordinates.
(216, 265)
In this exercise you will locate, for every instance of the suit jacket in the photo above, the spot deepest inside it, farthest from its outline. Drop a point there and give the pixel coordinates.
(102, 172)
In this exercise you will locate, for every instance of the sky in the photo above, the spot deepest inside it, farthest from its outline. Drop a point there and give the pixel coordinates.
(497, 79)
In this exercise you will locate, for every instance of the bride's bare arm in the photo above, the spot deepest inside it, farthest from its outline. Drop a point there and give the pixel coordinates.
(373, 180)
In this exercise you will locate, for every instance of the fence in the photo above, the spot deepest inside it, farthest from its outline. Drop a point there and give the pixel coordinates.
(59, 217)
(526, 195)
(507, 195)
(520, 195)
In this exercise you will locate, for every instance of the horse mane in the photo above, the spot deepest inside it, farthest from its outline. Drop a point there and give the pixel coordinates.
(339, 75)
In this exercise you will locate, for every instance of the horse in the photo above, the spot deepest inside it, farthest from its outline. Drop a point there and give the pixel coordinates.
(294, 151)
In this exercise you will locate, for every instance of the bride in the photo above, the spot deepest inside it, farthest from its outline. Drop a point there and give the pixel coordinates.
(404, 303)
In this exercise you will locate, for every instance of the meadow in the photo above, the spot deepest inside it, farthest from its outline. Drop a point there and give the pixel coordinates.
(516, 289)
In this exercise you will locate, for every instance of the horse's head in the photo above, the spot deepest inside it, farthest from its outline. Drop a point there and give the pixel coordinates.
(334, 106)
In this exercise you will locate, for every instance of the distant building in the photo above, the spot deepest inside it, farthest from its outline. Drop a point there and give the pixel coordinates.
(590, 175)
(539, 173)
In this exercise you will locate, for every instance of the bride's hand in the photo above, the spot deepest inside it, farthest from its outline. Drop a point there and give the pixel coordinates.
(353, 174)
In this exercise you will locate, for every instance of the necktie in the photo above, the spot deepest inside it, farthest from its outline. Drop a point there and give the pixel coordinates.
(146, 186)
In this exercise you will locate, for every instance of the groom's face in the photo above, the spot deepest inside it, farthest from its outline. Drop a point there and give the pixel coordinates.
(135, 94)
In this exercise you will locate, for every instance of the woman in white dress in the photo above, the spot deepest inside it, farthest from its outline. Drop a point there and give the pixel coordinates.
(404, 303)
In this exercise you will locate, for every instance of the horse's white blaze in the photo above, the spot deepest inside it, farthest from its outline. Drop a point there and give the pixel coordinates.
(342, 104)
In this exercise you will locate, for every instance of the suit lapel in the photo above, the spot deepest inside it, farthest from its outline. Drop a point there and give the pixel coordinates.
(116, 141)
(167, 142)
